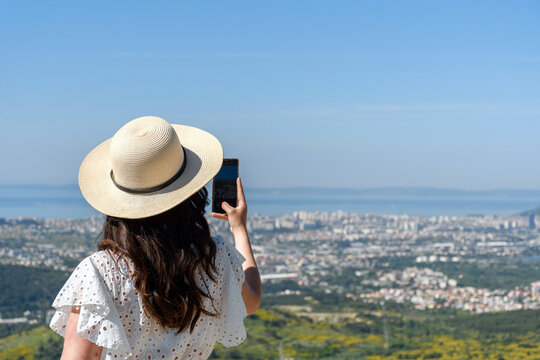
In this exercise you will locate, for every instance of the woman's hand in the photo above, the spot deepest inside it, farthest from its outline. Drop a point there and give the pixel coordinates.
(236, 216)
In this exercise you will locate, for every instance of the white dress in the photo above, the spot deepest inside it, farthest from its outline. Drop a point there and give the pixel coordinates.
(111, 313)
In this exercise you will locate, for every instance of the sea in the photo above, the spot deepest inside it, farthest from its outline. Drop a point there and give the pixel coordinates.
(67, 202)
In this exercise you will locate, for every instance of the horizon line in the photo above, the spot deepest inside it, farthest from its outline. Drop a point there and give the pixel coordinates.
(390, 187)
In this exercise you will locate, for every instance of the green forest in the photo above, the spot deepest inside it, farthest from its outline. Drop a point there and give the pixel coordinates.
(311, 324)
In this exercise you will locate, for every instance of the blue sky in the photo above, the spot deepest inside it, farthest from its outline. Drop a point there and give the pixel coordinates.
(305, 93)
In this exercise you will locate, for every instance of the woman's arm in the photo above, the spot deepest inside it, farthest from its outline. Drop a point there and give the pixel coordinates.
(251, 290)
(237, 217)
(76, 347)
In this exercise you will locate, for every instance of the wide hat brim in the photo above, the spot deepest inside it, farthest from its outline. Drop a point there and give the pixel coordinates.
(204, 157)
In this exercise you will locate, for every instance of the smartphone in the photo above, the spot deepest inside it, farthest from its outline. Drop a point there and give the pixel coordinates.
(224, 185)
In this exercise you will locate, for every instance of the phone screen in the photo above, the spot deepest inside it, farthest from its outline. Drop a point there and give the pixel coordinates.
(224, 185)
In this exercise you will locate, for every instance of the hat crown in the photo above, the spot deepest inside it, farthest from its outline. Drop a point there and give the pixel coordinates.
(145, 153)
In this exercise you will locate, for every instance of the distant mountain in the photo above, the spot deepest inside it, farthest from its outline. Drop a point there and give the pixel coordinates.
(535, 211)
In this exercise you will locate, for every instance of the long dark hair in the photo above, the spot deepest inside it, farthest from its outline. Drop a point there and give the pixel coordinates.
(167, 251)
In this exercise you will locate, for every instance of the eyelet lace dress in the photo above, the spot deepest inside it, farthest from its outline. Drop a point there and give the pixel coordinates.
(111, 313)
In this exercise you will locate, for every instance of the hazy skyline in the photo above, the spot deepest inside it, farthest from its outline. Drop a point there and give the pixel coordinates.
(331, 94)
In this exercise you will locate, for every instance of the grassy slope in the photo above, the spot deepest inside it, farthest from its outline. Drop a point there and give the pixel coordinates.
(489, 336)
(37, 343)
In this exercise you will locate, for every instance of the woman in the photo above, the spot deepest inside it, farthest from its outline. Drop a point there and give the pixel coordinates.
(160, 287)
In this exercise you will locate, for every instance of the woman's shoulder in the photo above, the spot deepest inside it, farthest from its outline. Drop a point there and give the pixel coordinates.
(228, 257)
(102, 260)
(225, 249)
(218, 240)
(113, 269)
(107, 259)
(222, 247)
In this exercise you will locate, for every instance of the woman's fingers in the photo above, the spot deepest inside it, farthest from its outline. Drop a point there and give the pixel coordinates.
(225, 206)
(240, 192)
(220, 216)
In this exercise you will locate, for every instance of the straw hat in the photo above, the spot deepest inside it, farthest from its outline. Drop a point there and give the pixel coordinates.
(148, 167)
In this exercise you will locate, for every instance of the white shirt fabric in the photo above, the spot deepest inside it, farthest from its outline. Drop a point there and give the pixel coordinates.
(111, 313)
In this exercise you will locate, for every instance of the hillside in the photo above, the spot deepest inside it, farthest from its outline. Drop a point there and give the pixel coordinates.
(411, 335)
(27, 288)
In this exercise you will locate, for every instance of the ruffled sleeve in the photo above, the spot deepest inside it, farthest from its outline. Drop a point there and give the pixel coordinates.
(231, 331)
(98, 318)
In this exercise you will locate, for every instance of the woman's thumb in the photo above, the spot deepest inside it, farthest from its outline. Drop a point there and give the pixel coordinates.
(225, 206)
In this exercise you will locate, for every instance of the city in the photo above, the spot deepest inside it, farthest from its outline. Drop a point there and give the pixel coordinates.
(312, 249)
